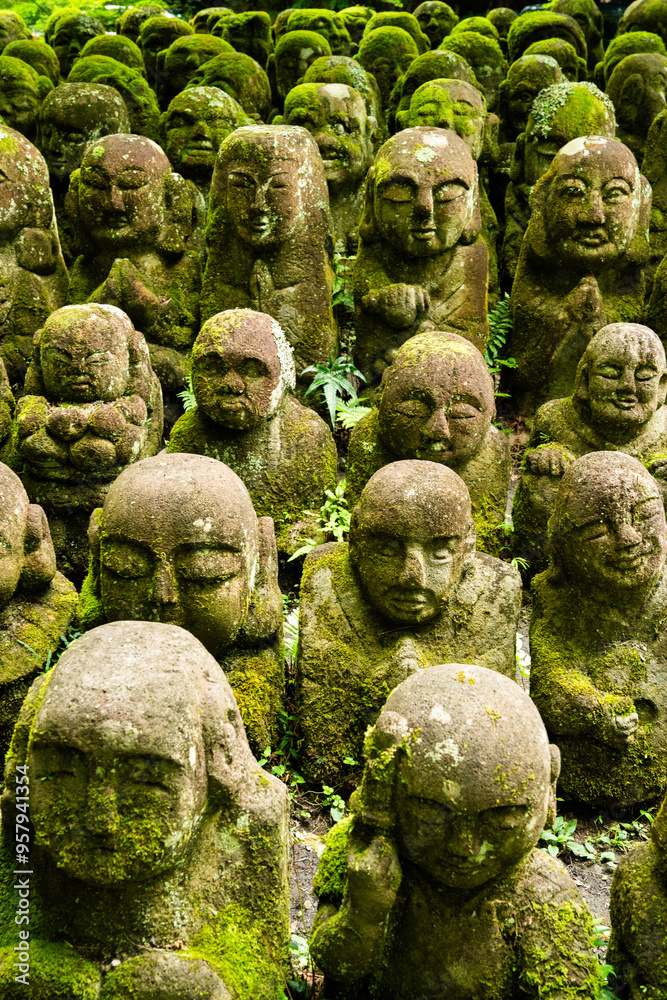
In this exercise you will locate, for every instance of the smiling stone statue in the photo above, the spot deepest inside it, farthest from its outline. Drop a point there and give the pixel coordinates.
(409, 590)
(428, 889)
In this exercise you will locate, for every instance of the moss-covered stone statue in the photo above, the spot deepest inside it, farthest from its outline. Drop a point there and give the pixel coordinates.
(436, 403)
(93, 406)
(526, 77)
(328, 23)
(560, 113)
(343, 69)
(616, 405)
(72, 116)
(436, 20)
(637, 88)
(580, 264)
(36, 53)
(597, 632)
(429, 66)
(242, 78)
(12, 28)
(421, 258)
(22, 91)
(37, 603)
(141, 227)
(71, 33)
(150, 820)
(336, 117)
(270, 238)
(124, 50)
(434, 886)
(407, 592)
(201, 18)
(588, 16)
(131, 20)
(638, 911)
(140, 101)
(178, 63)
(194, 125)
(249, 32)
(293, 54)
(242, 375)
(178, 541)
(386, 53)
(479, 24)
(155, 36)
(539, 25)
(501, 18)
(485, 58)
(626, 45)
(399, 19)
(33, 277)
(355, 20)
(565, 54)
(647, 15)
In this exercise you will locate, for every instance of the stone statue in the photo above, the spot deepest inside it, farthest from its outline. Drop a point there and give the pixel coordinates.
(355, 20)
(12, 28)
(588, 16)
(501, 18)
(131, 20)
(140, 223)
(71, 33)
(573, 66)
(560, 113)
(597, 635)
(117, 47)
(294, 53)
(617, 405)
(403, 20)
(94, 406)
(248, 32)
(637, 88)
(194, 125)
(240, 77)
(36, 53)
(538, 25)
(22, 91)
(407, 592)
(436, 403)
(431, 888)
(269, 236)
(386, 53)
(37, 603)
(152, 821)
(638, 907)
(156, 35)
(242, 374)
(525, 79)
(485, 58)
(178, 541)
(436, 19)
(580, 264)
(626, 45)
(33, 277)
(335, 115)
(647, 15)
(438, 65)
(177, 64)
(140, 100)
(328, 23)
(342, 69)
(420, 255)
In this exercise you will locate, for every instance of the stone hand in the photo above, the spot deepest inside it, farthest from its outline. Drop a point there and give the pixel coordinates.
(125, 289)
(620, 729)
(399, 305)
(373, 878)
(548, 461)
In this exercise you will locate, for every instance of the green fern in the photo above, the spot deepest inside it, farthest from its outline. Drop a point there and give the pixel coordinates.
(350, 412)
(500, 329)
(187, 397)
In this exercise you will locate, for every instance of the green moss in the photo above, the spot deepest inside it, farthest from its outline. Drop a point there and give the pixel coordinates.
(57, 972)
(575, 109)
(331, 875)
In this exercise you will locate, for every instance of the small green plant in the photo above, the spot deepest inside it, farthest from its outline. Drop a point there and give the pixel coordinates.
(340, 293)
(54, 654)
(331, 378)
(281, 760)
(560, 839)
(187, 397)
(333, 519)
(332, 801)
(522, 657)
(350, 412)
(291, 629)
(500, 330)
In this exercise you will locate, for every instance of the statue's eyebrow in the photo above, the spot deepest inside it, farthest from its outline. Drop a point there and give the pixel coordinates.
(400, 177)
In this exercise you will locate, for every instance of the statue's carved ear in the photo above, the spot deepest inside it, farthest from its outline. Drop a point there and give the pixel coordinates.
(367, 225)
(552, 809)
(265, 613)
(633, 95)
(39, 562)
(516, 169)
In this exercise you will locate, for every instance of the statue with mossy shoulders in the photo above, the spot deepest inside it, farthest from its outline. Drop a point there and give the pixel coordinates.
(150, 820)
(597, 633)
(408, 591)
(433, 886)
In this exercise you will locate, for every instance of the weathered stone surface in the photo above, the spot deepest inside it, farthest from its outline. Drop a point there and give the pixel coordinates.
(484, 56)
(71, 32)
(647, 15)
(436, 888)
(420, 256)
(242, 375)
(242, 78)
(386, 53)
(139, 99)
(155, 36)
(151, 819)
(409, 592)
(269, 236)
(328, 23)
(178, 542)
(342, 69)
(436, 19)
(538, 25)
(37, 54)
(22, 91)
(248, 32)
(438, 65)
(293, 54)
(124, 50)
(526, 77)
(637, 88)
(12, 28)
(588, 16)
(580, 264)
(597, 633)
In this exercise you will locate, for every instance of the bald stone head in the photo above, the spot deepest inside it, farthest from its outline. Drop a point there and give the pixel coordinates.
(25, 195)
(178, 543)
(27, 559)
(411, 537)
(194, 126)
(467, 774)
(451, 104)
(608, 528)
(526, 77)
(74, 115)
(242, 366)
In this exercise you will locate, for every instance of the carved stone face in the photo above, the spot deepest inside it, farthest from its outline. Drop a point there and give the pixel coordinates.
(409, 539)
(263, 192)
(424, 191)
(157, 34)
(24, 191)
(327, 23)
(186, 55)
(294, 53)
(74, 115)
(451, 104)
(71, 34)
(121, 192)
(195, 124)
(12, 28)
(19, 95)
(651, 69)
(465, 815)
(436, 20)
(609, 523)
(626, 377)
(236, 373)
(437, 403)
(592, 209)
(527, 76)
(13, 515)
(124, 757)
(335, 115)
(84, 355)
(579, 111)
(178, 545)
